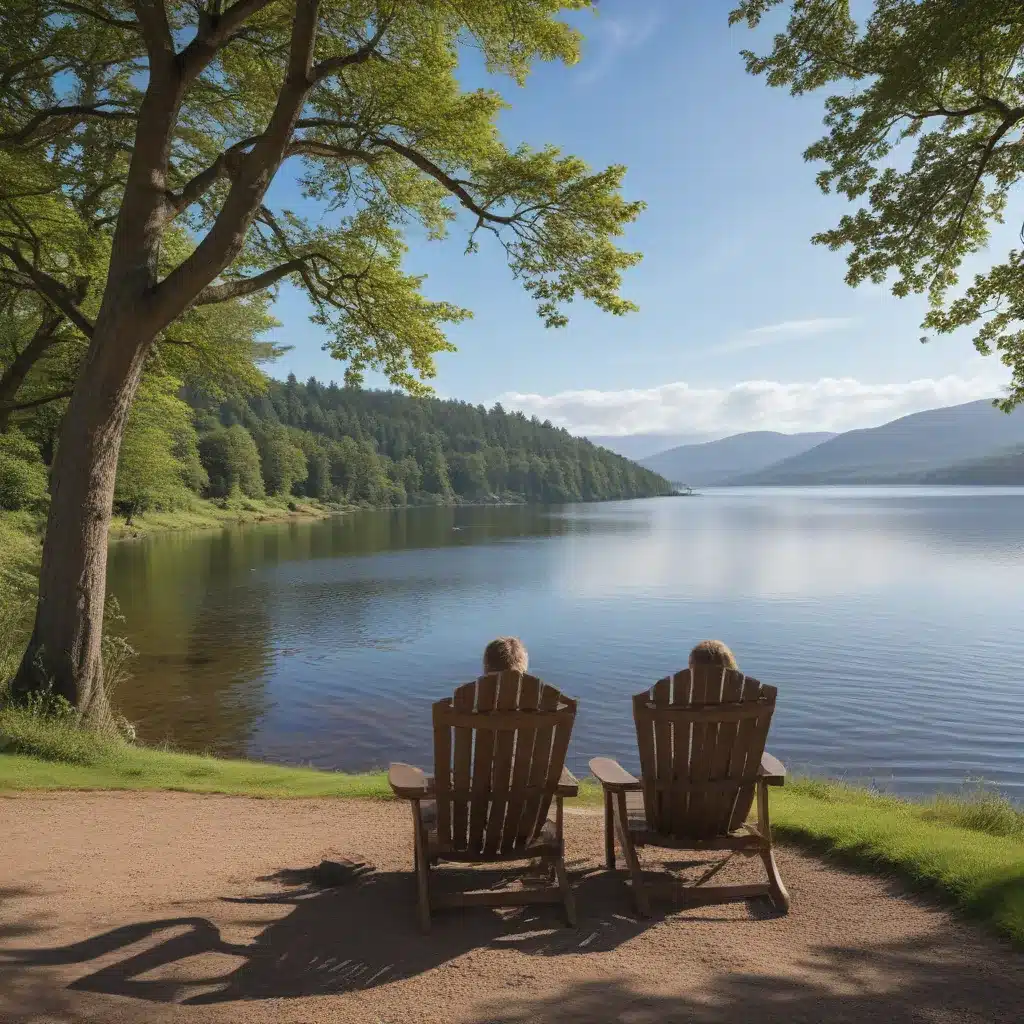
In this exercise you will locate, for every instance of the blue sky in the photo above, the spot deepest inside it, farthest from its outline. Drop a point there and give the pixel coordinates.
(743, 324)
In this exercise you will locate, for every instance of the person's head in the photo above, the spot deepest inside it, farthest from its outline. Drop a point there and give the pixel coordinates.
(506, 654)
(712, 652)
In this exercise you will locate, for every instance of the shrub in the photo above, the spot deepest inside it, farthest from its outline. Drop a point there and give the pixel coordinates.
(23, 480)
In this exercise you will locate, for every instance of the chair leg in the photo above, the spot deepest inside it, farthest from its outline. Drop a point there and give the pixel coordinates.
(609, 830)
(643, 905)
(422, 871)
(777, 891)
(778, 895)
(566, 889)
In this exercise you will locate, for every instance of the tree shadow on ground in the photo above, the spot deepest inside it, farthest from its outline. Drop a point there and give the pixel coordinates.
(918, 981)
(356, 935)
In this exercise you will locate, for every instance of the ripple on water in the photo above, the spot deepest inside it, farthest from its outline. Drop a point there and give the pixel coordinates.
(888, 619)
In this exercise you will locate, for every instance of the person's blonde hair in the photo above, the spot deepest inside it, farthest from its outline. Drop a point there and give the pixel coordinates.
(505, 654)
(712, 652)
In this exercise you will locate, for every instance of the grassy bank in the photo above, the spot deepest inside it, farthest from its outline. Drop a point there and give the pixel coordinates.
(201, 514)
(968, 849)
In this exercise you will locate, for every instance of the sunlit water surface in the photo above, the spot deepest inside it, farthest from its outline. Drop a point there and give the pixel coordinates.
(889, 618)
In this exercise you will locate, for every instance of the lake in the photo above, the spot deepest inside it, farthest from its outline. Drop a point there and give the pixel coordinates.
(889, 619)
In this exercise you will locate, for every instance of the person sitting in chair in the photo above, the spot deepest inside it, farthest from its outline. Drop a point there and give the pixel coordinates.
(505, 654)
(712, 652)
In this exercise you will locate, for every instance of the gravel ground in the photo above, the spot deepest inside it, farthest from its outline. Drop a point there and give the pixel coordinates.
(162, 907)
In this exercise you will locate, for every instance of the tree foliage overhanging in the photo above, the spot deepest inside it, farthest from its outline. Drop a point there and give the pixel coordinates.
(925, 119)
(139, 142)
(359, 99)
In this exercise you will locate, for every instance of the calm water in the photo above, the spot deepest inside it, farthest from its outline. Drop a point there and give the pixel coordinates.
(888, 618)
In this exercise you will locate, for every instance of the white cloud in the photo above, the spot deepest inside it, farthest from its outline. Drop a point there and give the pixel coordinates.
(788, 330)
(677, 408)
(606, 38)
(803, 328)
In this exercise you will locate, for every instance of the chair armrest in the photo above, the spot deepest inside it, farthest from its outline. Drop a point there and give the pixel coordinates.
(771, 770)
(568, 784)
(612, 775)
(409, 783)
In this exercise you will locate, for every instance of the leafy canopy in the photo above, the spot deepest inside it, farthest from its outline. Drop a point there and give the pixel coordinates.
(925, 119)
(158, 126)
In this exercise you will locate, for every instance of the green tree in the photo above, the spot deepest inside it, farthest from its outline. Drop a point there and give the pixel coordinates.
(159, 455)
(317, 482)
(138, 118)
(469, 475)
(925, 119)
(232, 462)
(282, 462)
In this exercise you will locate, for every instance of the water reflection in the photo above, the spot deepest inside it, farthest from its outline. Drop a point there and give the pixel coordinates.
(325, 642)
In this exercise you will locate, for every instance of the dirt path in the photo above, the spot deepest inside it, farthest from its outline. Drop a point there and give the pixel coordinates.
(163, 907)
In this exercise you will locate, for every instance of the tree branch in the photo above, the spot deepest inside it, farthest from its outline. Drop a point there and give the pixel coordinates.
(226, 237)
(247, 285)
(18, 369)
(1011, 119)
(215, 32)
(225, 166)
(50, 289)
(128, 23)
(330, 65)
(78, 111)
(20, 406)
(155, 30)
(454, 185)
(311, 147)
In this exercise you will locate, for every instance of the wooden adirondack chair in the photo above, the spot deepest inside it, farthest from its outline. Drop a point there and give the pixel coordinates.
(701, 737)
(499, 761)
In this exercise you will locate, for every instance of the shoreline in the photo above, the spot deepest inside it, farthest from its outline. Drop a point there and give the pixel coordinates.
(968, 852)
(208, 515)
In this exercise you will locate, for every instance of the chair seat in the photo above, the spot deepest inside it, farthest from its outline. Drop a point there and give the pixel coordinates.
(543, 844)
(644, 835)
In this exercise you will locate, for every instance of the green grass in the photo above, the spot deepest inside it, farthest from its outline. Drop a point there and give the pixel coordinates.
(38, 754)
(201, 514)
(966, 849)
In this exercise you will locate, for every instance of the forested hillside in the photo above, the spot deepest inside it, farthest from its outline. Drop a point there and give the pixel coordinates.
(331, 443)
(384, 448)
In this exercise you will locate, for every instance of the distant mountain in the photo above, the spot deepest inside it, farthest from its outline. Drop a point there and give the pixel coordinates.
(1006, 470)
(639, 446)
(903, 451)
(716, 462)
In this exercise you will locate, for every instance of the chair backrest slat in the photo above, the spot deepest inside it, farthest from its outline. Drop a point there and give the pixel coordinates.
(501, 769)
(750, 740)
(499, 748)
(662, 693)
(720, 807)
(701, 735)
(462, 763)
(512, 835)
(535, 808)
(483, 758)
(676, 801)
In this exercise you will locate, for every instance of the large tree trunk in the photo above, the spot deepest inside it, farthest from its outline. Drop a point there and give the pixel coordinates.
(64, 651)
